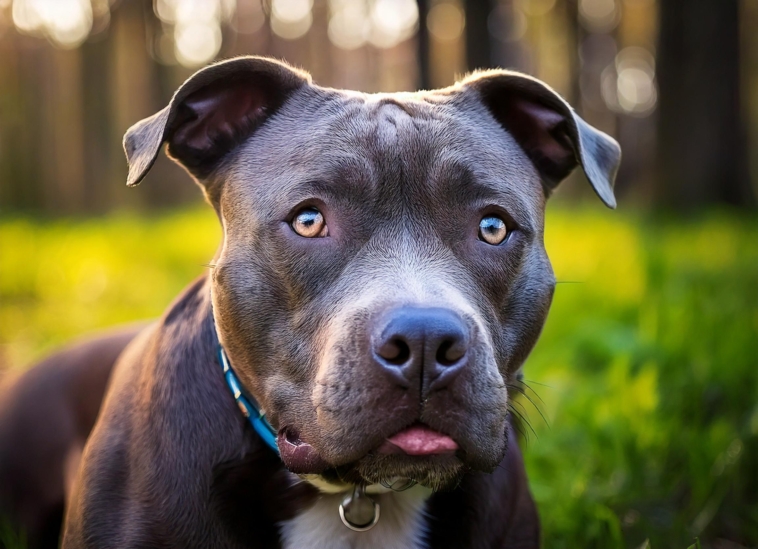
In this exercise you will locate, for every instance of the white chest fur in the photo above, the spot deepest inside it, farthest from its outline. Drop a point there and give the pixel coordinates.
(402, 524)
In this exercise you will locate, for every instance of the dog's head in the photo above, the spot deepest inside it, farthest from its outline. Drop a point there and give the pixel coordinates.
(382, 276)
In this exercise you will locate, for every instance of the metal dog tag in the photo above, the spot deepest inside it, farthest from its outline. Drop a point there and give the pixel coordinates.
(358, 511)
(399, 484)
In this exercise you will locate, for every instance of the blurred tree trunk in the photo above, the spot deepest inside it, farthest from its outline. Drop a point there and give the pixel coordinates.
(423, 44)
(504, 24)
(20, 166)
(575, 36)
(478, 46)
(702, 144)
(99, 146)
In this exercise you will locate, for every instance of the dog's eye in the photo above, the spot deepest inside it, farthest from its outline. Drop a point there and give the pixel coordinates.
(310, 223)
(492, 230)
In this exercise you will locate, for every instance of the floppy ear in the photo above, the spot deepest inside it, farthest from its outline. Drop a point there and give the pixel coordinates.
(548, 130)
(210, 114)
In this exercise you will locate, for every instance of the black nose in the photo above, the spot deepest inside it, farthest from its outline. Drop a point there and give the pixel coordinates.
(427, 345)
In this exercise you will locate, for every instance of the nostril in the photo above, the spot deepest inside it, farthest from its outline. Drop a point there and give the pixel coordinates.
(395, 351)
(292, 436)
(449, 352)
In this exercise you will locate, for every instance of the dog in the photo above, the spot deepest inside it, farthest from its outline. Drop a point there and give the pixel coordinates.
(46, 415)
(342, 376)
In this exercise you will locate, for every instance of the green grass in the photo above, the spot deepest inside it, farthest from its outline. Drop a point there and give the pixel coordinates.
(60, 279)
(646, 373)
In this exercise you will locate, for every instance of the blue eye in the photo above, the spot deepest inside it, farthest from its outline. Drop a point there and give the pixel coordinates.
(309, 223)
(492, 230)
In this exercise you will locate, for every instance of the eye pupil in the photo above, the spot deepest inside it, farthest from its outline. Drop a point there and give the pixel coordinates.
(309, 223)
(492, 230)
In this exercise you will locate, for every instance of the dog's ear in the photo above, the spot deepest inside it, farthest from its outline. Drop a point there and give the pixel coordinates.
(212, 112)
(552, 135)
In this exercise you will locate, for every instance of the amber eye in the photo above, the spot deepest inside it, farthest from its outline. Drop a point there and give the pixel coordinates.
(492, 230)
(310, 223)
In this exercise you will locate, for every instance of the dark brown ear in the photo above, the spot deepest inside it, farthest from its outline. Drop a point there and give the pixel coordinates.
(210, 114)
(553, 136)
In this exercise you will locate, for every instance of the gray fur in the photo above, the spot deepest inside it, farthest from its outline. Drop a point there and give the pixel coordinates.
(402, 181)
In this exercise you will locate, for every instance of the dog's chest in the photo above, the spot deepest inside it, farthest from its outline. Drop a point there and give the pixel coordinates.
(402, 524)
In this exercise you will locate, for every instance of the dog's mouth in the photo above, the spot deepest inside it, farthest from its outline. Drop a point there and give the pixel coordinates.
(418, 440)
(417, 453)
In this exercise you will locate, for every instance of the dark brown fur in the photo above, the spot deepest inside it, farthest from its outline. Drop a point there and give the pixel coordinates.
(46, 415)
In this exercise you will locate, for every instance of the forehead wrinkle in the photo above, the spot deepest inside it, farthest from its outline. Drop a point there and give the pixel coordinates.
(322, 144)
(464, 182)
(497, 162)
(377, 123)
(355, 127)
(341, 185)
(413, 104)
(443, 165)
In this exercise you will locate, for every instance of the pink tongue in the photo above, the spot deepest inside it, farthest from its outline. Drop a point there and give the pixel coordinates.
(419, 440)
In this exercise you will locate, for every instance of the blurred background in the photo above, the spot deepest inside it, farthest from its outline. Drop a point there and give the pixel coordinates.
(640, 415)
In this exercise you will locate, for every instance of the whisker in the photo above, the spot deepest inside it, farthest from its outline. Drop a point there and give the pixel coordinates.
(521, 388)
(528, 382)
(523, 420)
(534, 392)
(520, 432)
(526, 395)
(520, 404)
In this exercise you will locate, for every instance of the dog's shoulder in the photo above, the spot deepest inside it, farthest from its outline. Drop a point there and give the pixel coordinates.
(166, 418)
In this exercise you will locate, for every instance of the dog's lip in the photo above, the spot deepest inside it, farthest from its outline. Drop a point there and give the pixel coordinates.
(299, 456)
(418, 440)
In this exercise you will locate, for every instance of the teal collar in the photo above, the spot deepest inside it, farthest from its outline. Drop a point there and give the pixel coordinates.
(247, 404)
(357, 510)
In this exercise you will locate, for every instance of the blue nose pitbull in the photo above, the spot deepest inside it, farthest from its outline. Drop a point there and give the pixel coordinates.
(341, 378)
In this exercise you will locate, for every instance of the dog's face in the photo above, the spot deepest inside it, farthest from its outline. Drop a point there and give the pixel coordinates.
(382, 276)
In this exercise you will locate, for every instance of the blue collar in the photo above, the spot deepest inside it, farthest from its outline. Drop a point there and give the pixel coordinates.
(247, 404)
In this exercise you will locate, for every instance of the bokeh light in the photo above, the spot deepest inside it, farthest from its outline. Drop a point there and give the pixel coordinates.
(195, 26)
(446, 21)
(599, 15)
(629, 82)
(66, 23)
(197, 42)
(291, 19)
(291, 11)
(392, 21)
(349, 24)
(381, 23)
